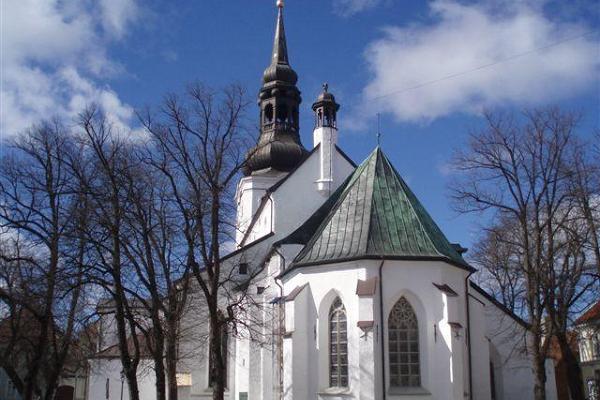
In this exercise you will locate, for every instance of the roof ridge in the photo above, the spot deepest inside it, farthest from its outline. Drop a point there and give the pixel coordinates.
(408, 192)
(368, 198)
(425, 214)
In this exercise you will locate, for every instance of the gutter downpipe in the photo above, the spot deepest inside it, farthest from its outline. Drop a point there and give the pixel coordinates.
(281, 323)
(469, 335)
(381, 328)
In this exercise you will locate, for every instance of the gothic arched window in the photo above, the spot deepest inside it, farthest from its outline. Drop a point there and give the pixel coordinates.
(403, 349)
(338, 345)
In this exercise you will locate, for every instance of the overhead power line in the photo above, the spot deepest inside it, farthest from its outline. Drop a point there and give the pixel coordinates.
(500, 61)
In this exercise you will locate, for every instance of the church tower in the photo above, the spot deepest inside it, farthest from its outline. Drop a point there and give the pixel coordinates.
(279, 149)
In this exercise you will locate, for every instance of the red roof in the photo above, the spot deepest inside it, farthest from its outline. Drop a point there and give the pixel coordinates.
(592, 314)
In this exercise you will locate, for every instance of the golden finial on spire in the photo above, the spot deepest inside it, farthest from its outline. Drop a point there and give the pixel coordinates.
(280, 3)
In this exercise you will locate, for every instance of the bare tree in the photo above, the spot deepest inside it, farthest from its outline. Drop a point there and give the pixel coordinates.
(520, 173)
(199, 148)
(585, 192)
(103, 176)
(500, 261)
(41, 278)
(151, 244)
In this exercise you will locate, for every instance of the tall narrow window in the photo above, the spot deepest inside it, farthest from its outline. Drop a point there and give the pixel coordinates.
(403, 349)
(338, 345)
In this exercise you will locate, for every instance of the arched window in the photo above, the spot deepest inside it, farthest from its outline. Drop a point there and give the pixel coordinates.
(338, 345)
(268, 113)
(282, 113)
(403, 349)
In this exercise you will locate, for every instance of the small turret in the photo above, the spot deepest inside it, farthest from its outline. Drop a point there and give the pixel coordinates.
(325, 109)
(325, 134)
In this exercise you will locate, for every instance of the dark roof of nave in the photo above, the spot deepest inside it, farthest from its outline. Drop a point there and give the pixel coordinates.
(372, 215)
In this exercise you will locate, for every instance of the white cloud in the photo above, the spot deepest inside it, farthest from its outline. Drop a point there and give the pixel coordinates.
(116, 14)
(350, 7)
(464, 37)
(54, 58)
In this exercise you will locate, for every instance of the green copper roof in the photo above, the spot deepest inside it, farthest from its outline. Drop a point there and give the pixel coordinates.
(373, 214)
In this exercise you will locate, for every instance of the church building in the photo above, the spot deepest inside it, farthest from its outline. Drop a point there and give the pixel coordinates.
(363, 296)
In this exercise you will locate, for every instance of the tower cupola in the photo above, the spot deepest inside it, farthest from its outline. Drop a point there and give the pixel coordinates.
(279, 147)
(325, 109)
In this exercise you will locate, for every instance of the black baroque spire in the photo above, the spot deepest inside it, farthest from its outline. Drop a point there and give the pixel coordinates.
(279, 147)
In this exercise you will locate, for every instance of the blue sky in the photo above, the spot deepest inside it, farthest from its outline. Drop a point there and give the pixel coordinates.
(57, 55)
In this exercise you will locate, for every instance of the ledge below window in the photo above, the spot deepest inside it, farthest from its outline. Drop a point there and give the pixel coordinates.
(342, 391)
(405, 391)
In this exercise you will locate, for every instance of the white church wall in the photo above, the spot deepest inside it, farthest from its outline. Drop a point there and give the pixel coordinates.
(242, 372)
(249, 193)
(193, 345)
(105, 381)
(480, 354)
(293, 202)
(299, 346)
(329, 282)
(507, 350)
(440, 348)
(326, 138)
(401, 278)
(297, 199)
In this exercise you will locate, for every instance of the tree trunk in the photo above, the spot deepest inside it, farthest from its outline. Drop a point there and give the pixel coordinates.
(172, 357)
(216, 346)
(539, 388)
(539, 364)
(574, 376)
(159, 366)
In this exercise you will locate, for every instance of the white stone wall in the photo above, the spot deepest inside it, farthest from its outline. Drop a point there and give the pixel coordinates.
(506, 350)
(292, 203)
(250, 191)
(109, 370)
(442, 353)
(326, 138)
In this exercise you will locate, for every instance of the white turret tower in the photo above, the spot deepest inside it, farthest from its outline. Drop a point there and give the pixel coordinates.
(325, 135)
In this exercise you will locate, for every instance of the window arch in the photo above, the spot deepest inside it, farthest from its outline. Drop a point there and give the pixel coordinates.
(338, 345)
(268, 113)
(282, 113)
(403, 346)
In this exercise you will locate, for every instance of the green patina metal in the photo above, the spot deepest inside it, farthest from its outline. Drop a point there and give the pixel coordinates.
(373, 214)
